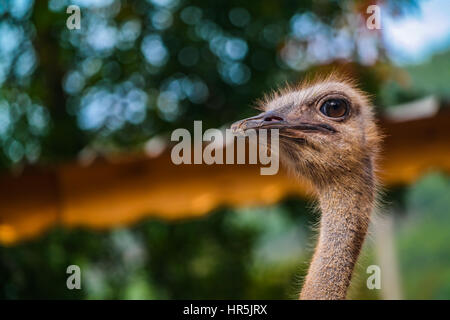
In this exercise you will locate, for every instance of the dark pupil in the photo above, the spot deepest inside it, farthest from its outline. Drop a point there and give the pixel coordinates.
(334, 108)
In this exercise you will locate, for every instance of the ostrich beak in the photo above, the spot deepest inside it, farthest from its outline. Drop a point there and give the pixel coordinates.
(274, 120)
(265, 120)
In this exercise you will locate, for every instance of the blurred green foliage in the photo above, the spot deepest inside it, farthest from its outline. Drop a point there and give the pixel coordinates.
(424, 240)
(141, 68)
(227, 254)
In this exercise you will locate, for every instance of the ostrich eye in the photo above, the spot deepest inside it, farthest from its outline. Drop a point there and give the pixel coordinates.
(334, 108)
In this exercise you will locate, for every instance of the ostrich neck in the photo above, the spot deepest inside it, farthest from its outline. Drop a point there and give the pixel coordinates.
(343, 227)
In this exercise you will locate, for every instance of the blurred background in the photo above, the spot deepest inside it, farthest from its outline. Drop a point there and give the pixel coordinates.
(85, 123)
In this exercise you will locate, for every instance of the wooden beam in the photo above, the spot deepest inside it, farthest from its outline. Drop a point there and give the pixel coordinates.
(107, 194)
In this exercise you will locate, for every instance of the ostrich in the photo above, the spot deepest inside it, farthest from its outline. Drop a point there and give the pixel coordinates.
(329, 137)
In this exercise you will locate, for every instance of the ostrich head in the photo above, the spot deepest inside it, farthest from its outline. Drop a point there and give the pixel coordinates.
(326, 129)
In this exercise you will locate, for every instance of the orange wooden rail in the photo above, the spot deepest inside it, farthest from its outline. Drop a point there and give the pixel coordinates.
(107, 194)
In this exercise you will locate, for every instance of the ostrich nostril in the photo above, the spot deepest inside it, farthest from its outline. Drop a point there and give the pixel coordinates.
(272, 118)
